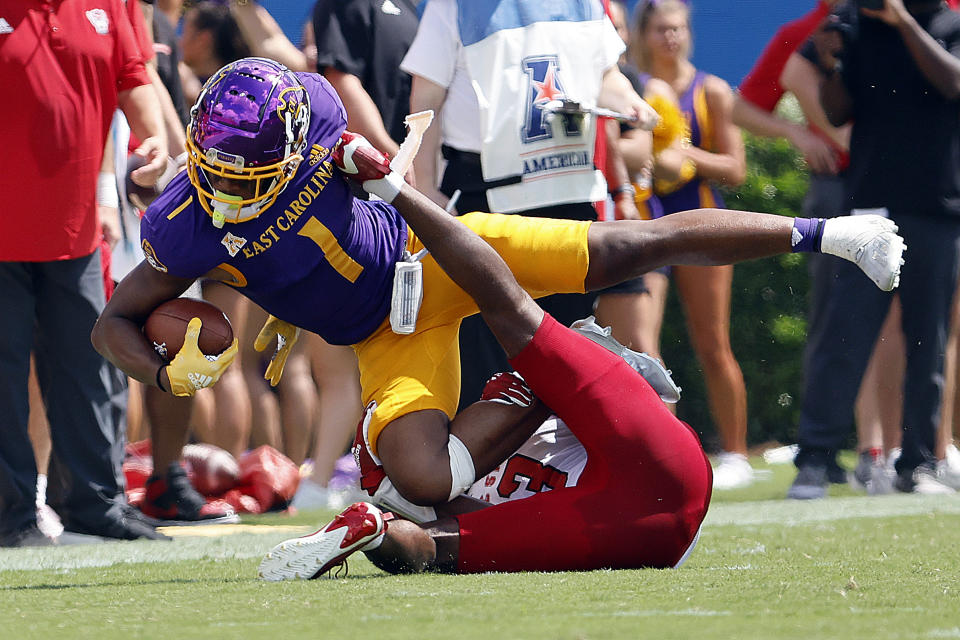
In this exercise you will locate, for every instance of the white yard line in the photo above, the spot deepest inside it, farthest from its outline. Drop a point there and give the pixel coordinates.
(68, 557)
(244, 543)
(797, 512)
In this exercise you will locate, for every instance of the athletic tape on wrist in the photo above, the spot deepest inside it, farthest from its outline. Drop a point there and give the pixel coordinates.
(107, 195)
(385, 188)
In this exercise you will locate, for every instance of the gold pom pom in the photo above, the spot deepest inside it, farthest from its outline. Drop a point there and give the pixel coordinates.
(672, 126)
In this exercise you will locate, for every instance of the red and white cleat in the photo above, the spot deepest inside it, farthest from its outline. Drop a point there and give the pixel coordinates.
(311, 556)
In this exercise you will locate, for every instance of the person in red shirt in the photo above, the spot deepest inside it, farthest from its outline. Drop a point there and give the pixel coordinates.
(762, 88)
(66, 67)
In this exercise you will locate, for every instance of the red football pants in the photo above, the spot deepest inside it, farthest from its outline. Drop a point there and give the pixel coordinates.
(644, 491)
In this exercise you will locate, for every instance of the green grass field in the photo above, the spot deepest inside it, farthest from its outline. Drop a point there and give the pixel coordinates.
(850, 566)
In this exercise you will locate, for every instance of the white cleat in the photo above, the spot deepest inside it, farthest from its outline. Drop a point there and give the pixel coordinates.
(649, 368)
(311, 556)
(869, 241)
(733, 471)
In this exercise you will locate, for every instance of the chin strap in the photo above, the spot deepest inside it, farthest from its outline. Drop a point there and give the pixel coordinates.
(231, 211)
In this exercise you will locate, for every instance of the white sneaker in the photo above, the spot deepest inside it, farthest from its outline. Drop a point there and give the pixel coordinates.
(732, 471)
(927, 481)
(948, 469)
(953, 456)
(310, 495)
(48, 521)
(650, 368)
(869, 241)
(873, 474)
(355, 528)
(781, 455)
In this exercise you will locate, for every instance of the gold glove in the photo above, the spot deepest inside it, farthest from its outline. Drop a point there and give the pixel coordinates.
(191, 370)
(286, 335)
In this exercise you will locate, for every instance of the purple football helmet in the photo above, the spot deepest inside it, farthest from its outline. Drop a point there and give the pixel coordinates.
(249, 126)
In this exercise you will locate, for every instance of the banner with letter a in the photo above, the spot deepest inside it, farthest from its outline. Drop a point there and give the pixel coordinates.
(522, 55)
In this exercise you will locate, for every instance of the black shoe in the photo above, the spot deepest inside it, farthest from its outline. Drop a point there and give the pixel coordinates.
(171, 500)
(835, 473)
(128, 527)
(810, 483)
(28, 536)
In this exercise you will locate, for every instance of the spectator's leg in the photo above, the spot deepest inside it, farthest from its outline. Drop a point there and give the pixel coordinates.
(836, 356)
(297, 393)
(335, 370)
(18, 473)
(928, 283)
(39, 426)
(86, 482)
(636, 318)
(265, 408)
(231, 421)
(138, 427)
(705, 292)
(879, 406)
(950, 413)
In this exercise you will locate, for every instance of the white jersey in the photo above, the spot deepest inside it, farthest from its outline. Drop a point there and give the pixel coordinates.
(518, 56)
(550, 459)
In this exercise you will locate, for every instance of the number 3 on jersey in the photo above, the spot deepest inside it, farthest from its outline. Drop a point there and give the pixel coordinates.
(539, 476)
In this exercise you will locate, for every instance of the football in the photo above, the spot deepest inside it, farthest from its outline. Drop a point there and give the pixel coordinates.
(166, 326)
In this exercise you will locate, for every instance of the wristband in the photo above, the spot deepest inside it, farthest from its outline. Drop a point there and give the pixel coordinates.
(625, 188)
(159, 384)
(107, 195)
(807, 234)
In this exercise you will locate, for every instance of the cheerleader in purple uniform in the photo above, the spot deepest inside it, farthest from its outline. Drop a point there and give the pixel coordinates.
(714, 155)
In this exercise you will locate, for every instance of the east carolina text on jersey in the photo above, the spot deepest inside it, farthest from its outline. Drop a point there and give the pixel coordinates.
(317, 258)
(297, 207)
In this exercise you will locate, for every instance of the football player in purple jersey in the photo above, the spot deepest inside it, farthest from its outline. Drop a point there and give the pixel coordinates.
(265, 207)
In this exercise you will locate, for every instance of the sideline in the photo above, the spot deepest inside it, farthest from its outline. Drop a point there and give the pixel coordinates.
(798, 512)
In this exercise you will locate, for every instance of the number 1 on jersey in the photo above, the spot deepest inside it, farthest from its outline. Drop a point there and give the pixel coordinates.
(332, 251)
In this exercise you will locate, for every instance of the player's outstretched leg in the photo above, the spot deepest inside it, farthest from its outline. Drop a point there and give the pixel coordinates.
(359, 527)
(628, 248)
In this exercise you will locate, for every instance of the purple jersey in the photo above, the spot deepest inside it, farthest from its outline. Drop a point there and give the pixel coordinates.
(317, 258)
(698, 192)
